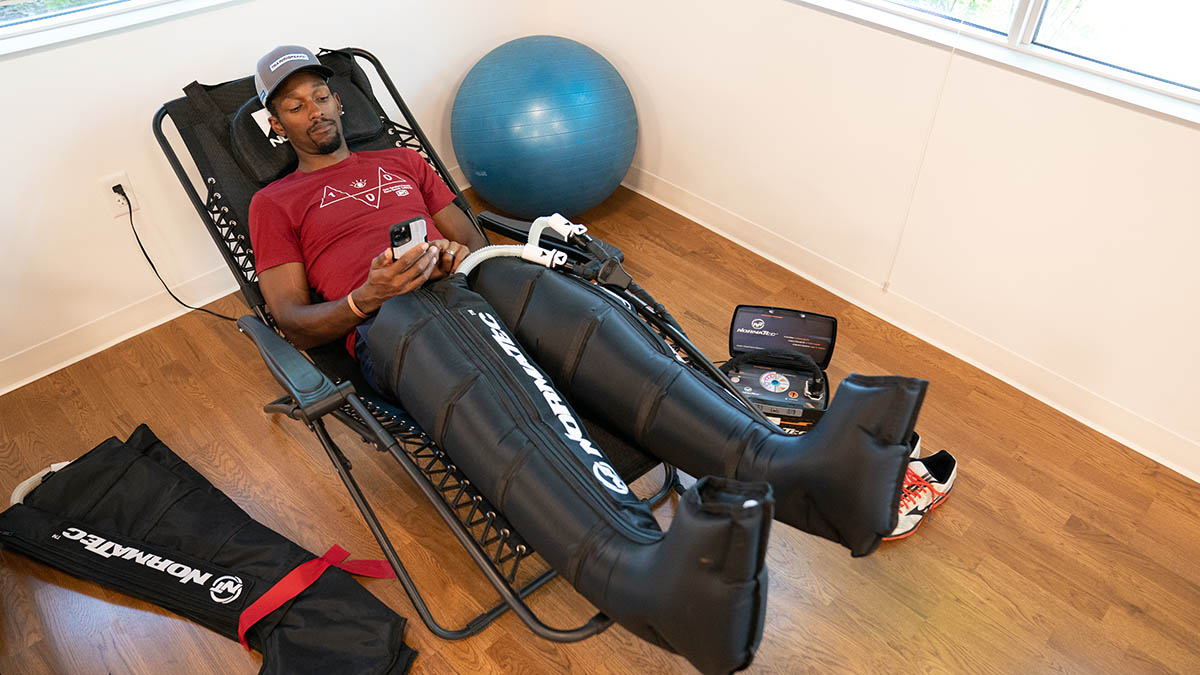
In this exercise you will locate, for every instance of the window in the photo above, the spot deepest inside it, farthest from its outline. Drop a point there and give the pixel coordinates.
(1151, 38)
(1148, 43)
(26, 12)
(27, 24)
(990, 15)
(1141, 52)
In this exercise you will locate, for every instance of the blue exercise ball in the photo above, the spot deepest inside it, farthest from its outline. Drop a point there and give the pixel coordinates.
(544, 125)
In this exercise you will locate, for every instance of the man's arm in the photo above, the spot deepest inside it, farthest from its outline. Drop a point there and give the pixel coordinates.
(461, 238)
(285, 288)
(455, 226)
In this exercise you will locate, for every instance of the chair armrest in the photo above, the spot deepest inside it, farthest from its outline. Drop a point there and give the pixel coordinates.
(314, 393)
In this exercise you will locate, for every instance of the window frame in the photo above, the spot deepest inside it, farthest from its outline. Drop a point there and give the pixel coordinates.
(86, 22)
(1018, 50)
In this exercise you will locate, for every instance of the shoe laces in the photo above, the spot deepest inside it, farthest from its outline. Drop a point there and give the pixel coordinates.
(914, 487)
(915, 477)
(912, 490)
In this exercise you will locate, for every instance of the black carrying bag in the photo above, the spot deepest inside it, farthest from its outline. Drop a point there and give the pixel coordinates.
(698, 589)
(842, 480)
(135, 517)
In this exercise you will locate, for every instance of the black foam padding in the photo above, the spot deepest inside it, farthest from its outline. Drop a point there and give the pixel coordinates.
(698, 590)
(267, 157)
(842, 480)
(204, 119)
(137, 500)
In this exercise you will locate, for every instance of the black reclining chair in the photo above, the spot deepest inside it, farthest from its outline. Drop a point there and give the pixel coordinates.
(236, 157)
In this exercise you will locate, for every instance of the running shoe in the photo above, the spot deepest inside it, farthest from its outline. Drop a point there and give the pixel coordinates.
(938, 471)
(927, 483)
(916, 500)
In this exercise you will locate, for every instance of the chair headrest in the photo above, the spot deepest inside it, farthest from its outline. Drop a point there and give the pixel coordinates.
(264, 156)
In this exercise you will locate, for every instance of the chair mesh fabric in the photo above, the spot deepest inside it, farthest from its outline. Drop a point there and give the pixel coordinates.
(265, 157)
(216, 126)
(211, 119)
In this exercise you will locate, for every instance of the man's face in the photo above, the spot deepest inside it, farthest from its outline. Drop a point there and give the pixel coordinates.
(308, 114)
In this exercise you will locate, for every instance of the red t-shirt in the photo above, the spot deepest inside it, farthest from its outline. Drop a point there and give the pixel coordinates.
(335, 220)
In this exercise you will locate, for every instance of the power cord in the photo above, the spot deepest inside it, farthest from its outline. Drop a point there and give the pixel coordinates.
(120, 189)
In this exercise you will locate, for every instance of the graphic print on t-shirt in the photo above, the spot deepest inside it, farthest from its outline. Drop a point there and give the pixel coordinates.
(385, 183)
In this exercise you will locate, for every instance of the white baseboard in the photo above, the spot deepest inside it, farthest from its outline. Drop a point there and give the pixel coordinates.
(117, 326)
(459, 177)
(1170, 449)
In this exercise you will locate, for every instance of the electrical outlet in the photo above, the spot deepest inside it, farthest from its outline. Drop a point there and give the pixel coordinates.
(115, 201)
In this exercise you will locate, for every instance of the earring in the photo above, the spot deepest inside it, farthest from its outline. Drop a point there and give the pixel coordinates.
(341, 111)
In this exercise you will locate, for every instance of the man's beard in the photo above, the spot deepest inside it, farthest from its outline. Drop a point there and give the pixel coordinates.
(330, 146)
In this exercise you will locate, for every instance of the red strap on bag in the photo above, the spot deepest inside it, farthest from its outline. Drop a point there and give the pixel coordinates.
(294, 582)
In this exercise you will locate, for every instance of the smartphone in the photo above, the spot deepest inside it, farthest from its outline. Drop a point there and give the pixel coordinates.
(406, 234)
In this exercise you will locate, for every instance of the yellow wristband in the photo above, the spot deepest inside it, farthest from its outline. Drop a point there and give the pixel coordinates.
(354, 308)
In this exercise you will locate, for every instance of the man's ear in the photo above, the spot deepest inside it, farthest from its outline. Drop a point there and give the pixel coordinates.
(338, 97)
(277, 127)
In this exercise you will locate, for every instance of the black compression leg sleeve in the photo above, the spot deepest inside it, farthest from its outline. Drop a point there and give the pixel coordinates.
(698, 589)
(842, 480)
(135, 517)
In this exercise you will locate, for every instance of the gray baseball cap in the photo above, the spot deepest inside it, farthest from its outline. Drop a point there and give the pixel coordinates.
(281, 62)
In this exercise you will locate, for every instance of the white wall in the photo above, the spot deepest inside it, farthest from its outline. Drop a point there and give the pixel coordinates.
(1022, 215)
(1019, 213)
(73, 279)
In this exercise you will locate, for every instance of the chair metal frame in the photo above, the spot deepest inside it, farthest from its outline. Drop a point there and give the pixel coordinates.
(491, 542)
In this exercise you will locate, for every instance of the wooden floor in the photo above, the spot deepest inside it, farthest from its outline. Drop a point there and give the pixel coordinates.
(1059, 551)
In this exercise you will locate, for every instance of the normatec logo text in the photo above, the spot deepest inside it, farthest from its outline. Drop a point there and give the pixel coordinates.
(603, 471)
(756, 332)
(184, 573)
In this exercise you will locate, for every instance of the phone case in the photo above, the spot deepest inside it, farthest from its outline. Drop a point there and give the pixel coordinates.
(417, 234)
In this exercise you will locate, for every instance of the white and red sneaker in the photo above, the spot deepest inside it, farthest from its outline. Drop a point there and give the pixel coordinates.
(915, 502)
(927, 483)
(938, 471)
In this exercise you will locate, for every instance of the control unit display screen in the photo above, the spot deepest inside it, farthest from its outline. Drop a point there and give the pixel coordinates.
(756, 328)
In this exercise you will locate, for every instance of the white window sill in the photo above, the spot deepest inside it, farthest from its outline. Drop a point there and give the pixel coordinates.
(46, 32)
(1179, 104)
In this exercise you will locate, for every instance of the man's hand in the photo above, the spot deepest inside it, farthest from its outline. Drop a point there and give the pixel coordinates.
(450, 256)
(389, 278)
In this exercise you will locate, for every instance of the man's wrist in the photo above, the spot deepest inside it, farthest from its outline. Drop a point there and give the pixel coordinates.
(359, 311)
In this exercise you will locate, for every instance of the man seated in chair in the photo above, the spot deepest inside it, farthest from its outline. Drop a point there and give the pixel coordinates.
(325, 225)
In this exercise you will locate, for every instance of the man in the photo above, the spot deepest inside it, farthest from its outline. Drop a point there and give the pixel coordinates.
(325, 225)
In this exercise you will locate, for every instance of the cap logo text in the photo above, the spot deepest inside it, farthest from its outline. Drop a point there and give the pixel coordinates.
(285, 58)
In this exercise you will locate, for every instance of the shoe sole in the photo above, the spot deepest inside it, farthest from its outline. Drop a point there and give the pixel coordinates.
(895, 537)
